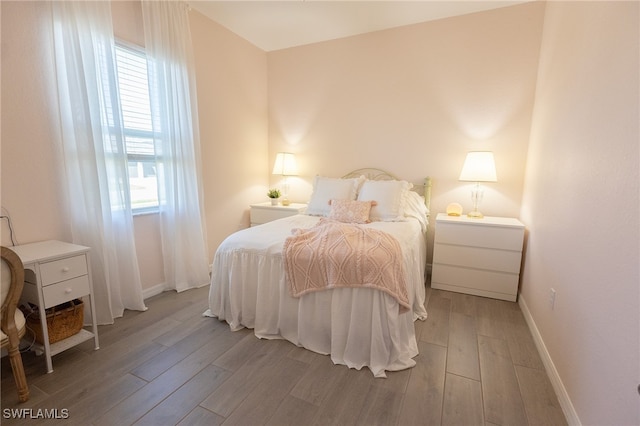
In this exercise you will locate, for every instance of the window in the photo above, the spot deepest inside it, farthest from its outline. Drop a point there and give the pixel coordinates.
(133, 88)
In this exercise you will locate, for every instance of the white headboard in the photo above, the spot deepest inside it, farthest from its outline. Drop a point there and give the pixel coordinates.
(423, 188)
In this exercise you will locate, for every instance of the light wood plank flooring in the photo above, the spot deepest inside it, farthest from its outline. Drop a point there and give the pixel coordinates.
(170, 366)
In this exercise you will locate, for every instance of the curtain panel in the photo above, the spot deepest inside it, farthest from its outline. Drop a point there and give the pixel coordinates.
(93, 149)
(177, 143)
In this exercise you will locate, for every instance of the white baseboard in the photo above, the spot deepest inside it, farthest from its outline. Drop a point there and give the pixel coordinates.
(160, 288)
(153, 291)
(554, 377)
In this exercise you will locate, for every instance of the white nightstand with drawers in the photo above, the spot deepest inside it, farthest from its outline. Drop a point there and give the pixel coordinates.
(57, 272)
(264, 212)
(478, 256)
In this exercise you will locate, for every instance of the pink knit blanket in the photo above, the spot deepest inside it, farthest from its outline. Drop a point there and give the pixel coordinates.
(333, 254)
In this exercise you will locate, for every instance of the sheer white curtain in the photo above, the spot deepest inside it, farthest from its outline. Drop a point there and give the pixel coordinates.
(94, 155)
(175, 126)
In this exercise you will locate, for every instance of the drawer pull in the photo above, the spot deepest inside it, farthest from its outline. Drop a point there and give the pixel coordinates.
(68, 290)
(65, 269)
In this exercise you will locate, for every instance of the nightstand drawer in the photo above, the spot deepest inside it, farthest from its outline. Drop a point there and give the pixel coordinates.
(474, 281)
(259, 216)
(506, 238)
(478, 257)
(64, 291)
(265, 212)
(63, 269)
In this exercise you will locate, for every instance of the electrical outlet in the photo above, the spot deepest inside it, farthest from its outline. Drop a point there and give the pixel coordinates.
(552, 298)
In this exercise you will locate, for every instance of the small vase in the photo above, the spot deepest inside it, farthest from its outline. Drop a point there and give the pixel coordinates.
(274, 201)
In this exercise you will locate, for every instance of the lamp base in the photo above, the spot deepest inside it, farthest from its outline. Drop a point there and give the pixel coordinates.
(286, 202)
(475, 215)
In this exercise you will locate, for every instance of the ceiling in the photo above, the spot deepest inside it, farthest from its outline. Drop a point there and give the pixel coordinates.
(274, 25)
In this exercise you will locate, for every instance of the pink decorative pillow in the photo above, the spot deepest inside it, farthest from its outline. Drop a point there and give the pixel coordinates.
(351, 211)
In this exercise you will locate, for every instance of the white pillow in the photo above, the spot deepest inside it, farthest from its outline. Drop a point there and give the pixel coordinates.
(415, 208)
(390, 196)
(326, 189)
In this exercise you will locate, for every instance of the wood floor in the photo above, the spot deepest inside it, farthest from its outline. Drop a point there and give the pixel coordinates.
(169, 365)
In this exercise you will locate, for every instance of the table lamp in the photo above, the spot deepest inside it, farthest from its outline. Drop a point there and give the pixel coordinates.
(479, 166)
(285, 166)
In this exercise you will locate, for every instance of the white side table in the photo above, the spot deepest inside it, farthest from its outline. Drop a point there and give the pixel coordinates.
(264, 212)
(57, 272)
(478, 256)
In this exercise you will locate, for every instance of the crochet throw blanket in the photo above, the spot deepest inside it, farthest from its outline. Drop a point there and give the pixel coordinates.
(333, 254)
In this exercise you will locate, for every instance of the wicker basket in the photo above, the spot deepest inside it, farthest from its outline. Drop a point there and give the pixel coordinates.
(63, 321)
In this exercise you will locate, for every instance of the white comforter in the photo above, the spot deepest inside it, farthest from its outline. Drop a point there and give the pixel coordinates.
(357, 326)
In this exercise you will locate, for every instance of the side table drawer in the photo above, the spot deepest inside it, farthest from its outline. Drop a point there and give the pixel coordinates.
(264, 215)
(470, 279)
(64, 291)
(478, 257)
(63, 269)
(265, 212)
(506, 238)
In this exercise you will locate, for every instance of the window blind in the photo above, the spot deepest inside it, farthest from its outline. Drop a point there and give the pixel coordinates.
(133, 88)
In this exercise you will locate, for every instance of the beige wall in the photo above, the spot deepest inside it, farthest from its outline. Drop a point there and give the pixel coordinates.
(413, 100)
(232, 102)
(231, 76)
(581, 205)
(31, 184)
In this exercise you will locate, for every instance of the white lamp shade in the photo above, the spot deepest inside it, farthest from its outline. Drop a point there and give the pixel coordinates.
(479, 166)
(285, 164)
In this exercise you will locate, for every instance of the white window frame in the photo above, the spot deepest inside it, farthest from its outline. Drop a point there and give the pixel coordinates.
(139, 158)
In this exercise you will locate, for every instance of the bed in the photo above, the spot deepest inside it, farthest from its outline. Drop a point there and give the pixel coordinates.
(358, 326)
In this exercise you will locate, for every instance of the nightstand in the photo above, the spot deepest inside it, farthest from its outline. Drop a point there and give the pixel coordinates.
(56, 272)
(264, 212)
(478, 256)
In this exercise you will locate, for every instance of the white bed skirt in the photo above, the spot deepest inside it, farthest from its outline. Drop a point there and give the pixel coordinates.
(358, 327)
